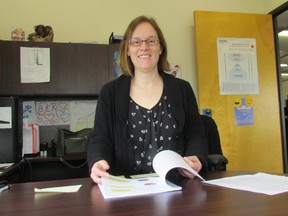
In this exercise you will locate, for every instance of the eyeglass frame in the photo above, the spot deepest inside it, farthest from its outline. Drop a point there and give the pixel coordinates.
(147, 40)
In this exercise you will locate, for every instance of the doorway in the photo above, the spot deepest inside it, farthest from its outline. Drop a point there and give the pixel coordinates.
(280, 20)
(240, 142)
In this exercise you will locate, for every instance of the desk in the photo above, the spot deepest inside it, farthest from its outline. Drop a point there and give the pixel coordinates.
(195, 199)
(54, 168)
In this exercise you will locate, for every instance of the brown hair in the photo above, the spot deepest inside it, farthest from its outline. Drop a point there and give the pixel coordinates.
(125, 63)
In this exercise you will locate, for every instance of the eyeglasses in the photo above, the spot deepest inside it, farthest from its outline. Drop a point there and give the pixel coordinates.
(136, 42)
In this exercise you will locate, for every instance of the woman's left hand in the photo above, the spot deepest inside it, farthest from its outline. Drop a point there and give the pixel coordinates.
(194, 163)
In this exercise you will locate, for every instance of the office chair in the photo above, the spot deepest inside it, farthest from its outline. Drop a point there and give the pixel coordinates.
(216, 160)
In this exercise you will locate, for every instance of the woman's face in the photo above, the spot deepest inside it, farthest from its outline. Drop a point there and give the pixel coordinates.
(144, 55)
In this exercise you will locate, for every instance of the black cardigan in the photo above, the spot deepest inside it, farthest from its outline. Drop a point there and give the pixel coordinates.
(109, 141)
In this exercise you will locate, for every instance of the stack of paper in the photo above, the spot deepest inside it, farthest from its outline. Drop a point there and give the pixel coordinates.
(259, 183)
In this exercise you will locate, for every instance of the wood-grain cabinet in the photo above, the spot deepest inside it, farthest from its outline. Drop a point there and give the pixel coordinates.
(77, 72)
(75, 69)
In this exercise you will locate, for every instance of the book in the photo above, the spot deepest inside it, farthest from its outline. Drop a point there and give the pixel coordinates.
(163, 162)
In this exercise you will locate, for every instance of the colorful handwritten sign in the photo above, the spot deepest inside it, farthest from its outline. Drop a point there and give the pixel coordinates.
(53, 113)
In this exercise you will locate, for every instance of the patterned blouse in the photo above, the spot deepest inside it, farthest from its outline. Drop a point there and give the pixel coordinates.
(150, 131)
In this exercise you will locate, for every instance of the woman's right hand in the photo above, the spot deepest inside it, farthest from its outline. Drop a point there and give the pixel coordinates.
(99, 170)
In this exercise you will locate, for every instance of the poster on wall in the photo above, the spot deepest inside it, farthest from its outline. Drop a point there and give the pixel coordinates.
(82, 114)
(53, 113)
(237, 65)
(29, 112)
(243, 111)
(78, 114)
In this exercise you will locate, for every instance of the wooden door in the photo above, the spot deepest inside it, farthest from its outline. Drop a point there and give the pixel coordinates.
(255, 147)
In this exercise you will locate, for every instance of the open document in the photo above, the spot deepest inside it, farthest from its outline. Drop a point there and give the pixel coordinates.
(258, 183)
(163, 162)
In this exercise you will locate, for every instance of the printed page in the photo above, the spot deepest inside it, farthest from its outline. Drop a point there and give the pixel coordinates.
(163, 162)
(258, 183)
(166, 160)
(114, 187)
(35, 64)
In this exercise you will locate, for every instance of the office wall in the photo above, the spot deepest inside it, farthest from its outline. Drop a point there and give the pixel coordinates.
(94, 20)
(249, 147)
(271, 5)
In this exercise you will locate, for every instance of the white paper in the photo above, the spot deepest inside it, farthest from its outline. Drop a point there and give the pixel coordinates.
(164, 161)
(258, 183)
(62, 189)
(114, 187)
(237, 63)
(82, 114)
(29, 112)
(35, 64)
(167, 160)
(31, 138)
(27, 141)
(5, 117)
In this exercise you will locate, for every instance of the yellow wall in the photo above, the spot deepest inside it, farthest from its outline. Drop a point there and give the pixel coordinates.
(94, 20)
(254, 147)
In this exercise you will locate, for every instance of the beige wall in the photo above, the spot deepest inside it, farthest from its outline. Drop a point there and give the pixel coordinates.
(270, 5)
(94, 20)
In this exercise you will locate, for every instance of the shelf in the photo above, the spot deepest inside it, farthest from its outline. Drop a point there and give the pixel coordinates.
(39, 159)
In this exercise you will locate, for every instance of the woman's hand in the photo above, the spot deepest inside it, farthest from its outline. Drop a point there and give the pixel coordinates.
(99, 170)
(194, 163)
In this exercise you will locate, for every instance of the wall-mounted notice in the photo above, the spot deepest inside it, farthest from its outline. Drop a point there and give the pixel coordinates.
(243, 111)
(237, 63)
(29, 112)
(82, 114)
(5, 117)
(35, 64)
(53, 113)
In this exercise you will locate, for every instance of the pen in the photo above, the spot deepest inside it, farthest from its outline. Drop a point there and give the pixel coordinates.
(5, 188)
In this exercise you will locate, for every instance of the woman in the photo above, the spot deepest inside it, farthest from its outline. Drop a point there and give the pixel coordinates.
(144, 111)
